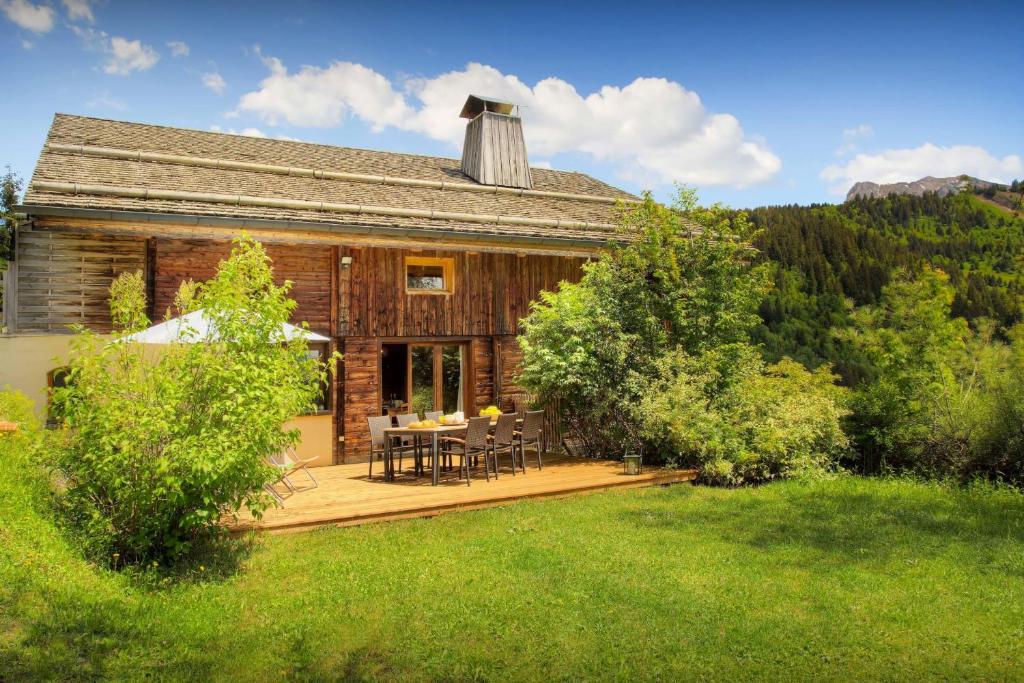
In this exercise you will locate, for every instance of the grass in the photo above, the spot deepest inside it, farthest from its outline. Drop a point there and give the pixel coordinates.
(840, 579)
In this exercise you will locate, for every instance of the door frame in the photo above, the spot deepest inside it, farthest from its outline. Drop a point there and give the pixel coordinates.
(469, 372)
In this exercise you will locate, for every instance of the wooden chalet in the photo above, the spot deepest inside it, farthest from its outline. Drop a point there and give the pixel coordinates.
(418, 268)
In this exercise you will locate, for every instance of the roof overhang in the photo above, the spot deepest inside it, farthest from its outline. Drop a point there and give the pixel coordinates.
(167, 224)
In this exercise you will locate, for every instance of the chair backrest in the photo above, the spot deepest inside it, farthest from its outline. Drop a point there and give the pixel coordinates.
(377, 427)
(434, 415)
(533, 423)
(504, 429)
(406, 419)
(476, 432)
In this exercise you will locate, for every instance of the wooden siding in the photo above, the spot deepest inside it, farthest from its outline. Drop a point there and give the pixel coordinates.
(361, 381)
(510, 358)
(64, 278)
(481, 350)
(307, 266)
(492, 293)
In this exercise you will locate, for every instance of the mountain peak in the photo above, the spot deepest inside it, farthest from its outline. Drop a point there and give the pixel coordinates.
(941, 186)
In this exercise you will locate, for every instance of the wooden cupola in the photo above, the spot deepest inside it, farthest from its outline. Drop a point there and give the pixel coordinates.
(494, 152)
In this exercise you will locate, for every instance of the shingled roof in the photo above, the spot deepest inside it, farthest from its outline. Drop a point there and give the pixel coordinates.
(114, 167)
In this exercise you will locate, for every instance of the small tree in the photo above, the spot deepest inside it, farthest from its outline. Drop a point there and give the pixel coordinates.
(10, 191)
(162, 443)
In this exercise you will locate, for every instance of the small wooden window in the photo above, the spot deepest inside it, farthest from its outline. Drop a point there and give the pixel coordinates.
(426, 275)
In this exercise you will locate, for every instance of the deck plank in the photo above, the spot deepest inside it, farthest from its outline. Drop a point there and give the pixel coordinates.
(345, 497)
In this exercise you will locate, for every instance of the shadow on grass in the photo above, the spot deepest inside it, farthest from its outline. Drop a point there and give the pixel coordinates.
(859, 521)
(79, 634)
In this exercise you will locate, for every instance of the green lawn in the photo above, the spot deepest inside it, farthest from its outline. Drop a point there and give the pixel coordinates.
(840, 579)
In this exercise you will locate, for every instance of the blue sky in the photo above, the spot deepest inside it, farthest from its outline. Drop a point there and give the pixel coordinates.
(753, 104)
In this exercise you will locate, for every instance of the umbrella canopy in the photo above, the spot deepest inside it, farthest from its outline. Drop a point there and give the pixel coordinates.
(197, 328)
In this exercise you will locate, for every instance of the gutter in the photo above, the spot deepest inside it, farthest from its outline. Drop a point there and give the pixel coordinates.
(146, 194)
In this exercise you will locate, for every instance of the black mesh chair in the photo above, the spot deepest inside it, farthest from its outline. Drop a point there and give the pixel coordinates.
(531, 434)
(503, 440)
(473, 445)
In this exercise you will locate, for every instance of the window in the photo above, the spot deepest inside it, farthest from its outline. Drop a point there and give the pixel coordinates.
(58, 378)
(425, 275)
(320, 351)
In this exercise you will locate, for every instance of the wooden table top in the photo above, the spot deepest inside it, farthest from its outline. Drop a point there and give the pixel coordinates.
(412, 431)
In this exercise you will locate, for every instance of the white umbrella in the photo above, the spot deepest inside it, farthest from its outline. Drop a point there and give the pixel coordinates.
(197, 328)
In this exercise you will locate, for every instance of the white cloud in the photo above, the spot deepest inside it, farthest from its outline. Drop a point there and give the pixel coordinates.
(852, 138)
(541, 164)
(904, 165)
(652, 130)
(179, 48)
(79, 10)
(124, 56)
(251, 133)
(214, 82)
(127, 56)
(35, 18)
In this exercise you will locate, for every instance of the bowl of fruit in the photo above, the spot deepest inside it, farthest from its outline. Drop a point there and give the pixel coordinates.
(492, 412)
(422, 424)
(451, 420)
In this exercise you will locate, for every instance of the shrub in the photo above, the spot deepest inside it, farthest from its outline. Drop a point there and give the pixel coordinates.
(163, 443)
(741, 421)
(684, 281)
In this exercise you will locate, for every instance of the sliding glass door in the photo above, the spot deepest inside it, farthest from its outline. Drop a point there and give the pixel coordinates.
(437, 377)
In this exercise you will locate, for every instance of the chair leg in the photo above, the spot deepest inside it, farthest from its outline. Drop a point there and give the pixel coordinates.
(540, 464)
(465, 465)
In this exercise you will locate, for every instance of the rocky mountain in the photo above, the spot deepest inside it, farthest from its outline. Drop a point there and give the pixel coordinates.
(942, 186)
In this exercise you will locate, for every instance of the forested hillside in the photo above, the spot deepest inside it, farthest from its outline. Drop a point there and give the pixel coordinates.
(825, 255)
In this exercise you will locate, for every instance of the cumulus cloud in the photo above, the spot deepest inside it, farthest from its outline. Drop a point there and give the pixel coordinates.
(178, 48)
(653, 130)
(904, 165)
(123, 56)
(214, 82)
(31, 17)
(79, 10)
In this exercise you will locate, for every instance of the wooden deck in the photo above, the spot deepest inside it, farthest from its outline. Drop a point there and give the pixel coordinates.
(346, 498)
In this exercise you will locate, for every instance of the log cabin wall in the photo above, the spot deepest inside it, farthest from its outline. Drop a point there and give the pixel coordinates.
(64, 277)
(491, 294)
(307, 266)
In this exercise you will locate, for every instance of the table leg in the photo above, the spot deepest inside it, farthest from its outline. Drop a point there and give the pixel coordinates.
(387, 458)
(436, 457)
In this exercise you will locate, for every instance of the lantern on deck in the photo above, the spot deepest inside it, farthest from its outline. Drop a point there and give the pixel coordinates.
(632, 463)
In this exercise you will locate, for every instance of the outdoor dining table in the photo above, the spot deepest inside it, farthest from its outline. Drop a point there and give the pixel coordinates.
(434, 433)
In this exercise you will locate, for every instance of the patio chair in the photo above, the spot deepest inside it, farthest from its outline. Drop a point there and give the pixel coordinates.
(377, 426)
(472, 446)
(502, 441)
(289, 462)
(531, 434)
(407, 443)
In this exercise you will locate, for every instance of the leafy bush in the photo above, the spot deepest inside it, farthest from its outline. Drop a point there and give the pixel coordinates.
(164, 442)
(650, 351)
(742, 421)
(944, 400)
